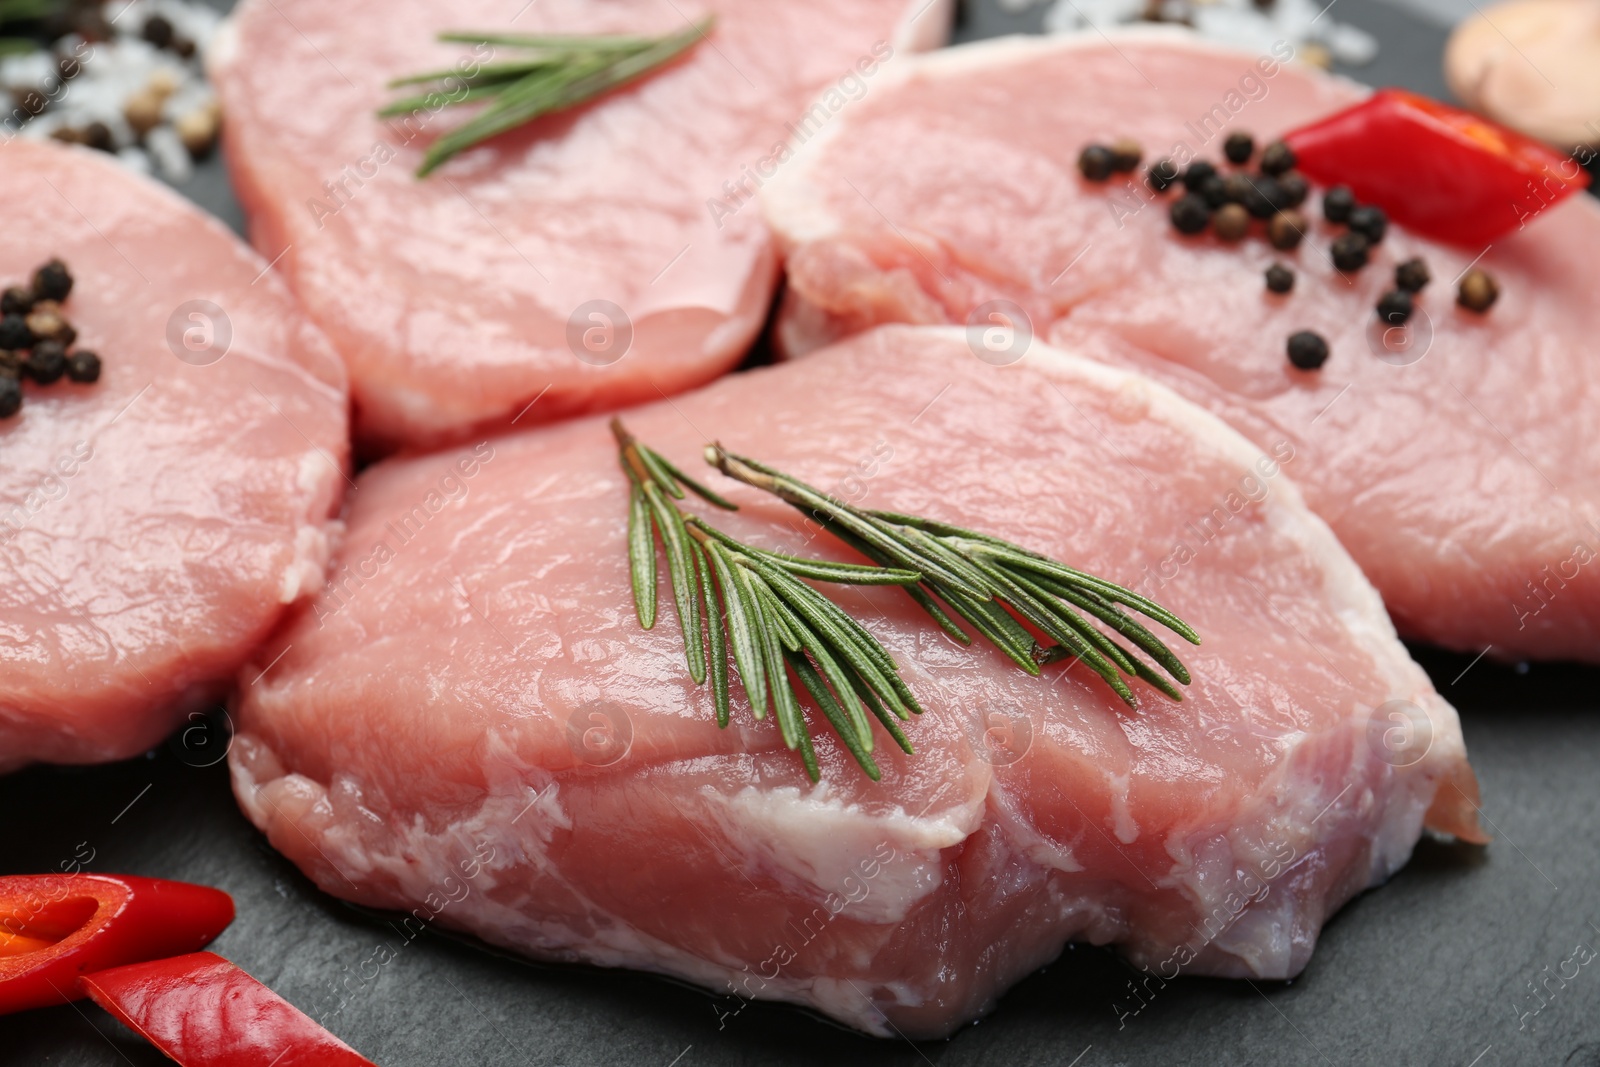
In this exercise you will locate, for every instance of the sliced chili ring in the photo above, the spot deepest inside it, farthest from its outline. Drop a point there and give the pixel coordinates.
(55, 928)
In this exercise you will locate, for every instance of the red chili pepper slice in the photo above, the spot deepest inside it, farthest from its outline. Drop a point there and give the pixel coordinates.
(203, 1011)
(56, 927)
(1437, 170)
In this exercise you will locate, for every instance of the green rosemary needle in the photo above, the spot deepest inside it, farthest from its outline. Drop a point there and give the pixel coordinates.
(979, 577)
(735, 598)
(558, 72)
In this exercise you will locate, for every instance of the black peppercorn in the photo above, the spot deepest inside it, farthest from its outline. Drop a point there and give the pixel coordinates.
(10, 396)
(1095, 162)
(1215, 191)
(16, 301)
(1412, 275)
(1162, 175)
(1266, 196)
(1276, 158)
(47, 362)
(68, 67)
(1237, 189)
(1369, 221)
(1196, 173)
(1295, 188)
(14, 332)
(1190, 213)
(83, 366)
(158, 31)
(1239, 147)
(1337, 203)
(1231, 222)
(52, 281)
(11, 363)
(1349, 251)
(1286, 229)
(1477, 291)
(46, 323)
(97, 135)
(184, 47)
(1125, 154)
(1395, 306)
(1280, 279)
(1307, 350)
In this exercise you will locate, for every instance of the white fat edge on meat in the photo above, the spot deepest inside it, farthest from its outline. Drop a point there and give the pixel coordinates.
(1315, 808)
(422, 857)
(793, 199)
(817, 842)
(924, 26)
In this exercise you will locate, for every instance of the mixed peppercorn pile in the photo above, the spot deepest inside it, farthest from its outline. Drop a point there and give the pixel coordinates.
(1230, 203)
(36, 339)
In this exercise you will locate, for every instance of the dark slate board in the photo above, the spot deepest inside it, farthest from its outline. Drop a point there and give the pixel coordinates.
(1434, 968)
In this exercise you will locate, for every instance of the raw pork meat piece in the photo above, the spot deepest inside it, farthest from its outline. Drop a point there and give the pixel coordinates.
(474, 728)
(155, 524)
(459, 300)
(1460, 469)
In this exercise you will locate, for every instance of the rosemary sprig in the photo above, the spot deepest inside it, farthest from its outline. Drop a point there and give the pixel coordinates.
(560, 72)
(733, 597)
(30, 12)
(979, 577)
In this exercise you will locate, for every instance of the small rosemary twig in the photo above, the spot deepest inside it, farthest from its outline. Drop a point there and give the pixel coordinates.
(560, 72)
(979, 576)
(733, 597)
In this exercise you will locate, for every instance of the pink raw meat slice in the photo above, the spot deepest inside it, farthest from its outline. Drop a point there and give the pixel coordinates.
(474, 726)
(453, 300)
(1461, 473)
(156, 524)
